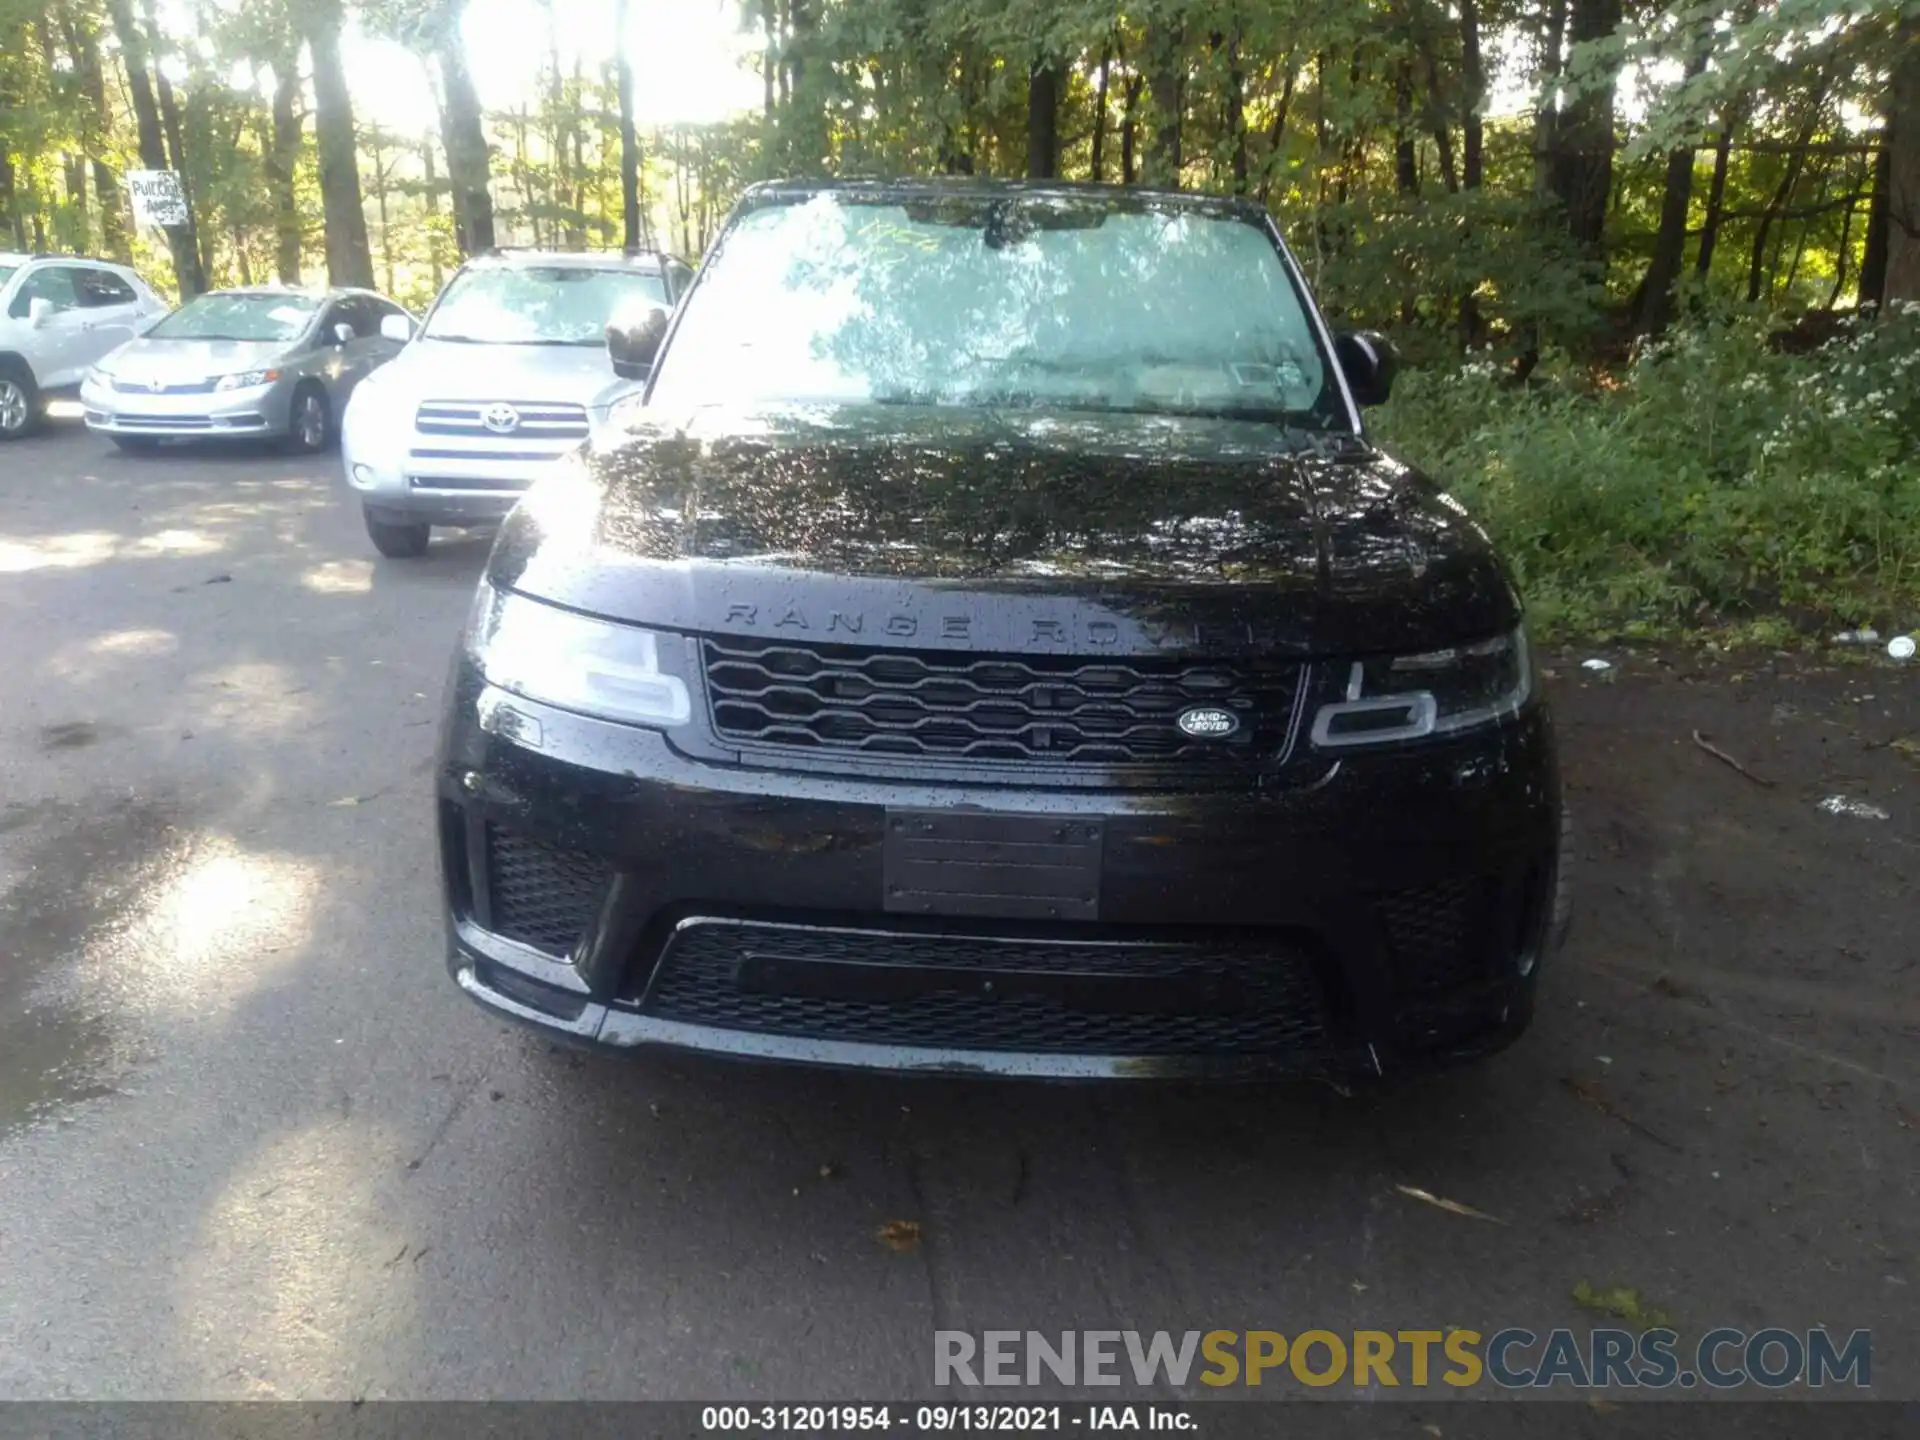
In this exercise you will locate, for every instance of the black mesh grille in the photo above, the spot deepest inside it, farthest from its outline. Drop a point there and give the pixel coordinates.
(1438, 937)
(542, 895)
(976, 993)
(1029, 708)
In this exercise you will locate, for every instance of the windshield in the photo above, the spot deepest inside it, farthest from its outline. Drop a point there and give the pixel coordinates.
(540, 304)
(238, 317)
(1071, 304)
(6, 273)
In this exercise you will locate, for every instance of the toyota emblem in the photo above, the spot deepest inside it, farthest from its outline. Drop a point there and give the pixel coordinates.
(502, 419)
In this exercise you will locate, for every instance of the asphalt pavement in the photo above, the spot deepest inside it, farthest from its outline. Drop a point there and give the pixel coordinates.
(253, 1144)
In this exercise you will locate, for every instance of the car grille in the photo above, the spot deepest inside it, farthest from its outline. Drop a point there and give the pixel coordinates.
(991, 993)
(540, 894)
(163, 422)
(534, 420)
(140, 387)
(1026, 708)
(1438, 937)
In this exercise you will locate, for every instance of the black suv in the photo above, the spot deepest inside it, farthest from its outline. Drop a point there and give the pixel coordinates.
(994, 646)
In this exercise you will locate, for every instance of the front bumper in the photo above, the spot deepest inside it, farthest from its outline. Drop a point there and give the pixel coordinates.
(1385, 911)
(261, 410)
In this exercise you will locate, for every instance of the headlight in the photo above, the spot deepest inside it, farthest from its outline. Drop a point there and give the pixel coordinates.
(246, 380)
(596, 667)
(1407, 697)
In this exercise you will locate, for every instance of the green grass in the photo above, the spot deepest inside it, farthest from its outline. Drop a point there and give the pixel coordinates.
(1712, 485)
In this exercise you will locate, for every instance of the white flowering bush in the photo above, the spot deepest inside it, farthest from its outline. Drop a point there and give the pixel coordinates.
(1712, 479)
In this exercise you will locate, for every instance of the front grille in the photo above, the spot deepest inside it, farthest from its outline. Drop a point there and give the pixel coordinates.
(989, 993)
(540, 894)
(532, 420)
(1021, 708)
(164, 422)
(503, 484)
(1438, 937)
(140, 387)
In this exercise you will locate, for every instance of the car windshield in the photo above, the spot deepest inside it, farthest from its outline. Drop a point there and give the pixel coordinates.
(238, 317)
(6, 273)
(540, 304)
(1042, 302)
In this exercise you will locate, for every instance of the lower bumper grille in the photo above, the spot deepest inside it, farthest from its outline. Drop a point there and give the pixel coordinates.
(541, 895)
(988, 993)
(1440, 938)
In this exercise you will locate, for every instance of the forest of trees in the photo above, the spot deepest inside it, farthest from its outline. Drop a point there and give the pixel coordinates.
(1648, 155)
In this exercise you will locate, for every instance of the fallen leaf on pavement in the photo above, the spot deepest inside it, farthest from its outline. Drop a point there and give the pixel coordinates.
(1440, 1202)
(1623, 1303)
(900, 1235)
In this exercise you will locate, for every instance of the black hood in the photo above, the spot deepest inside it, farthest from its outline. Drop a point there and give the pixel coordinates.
(925, 528)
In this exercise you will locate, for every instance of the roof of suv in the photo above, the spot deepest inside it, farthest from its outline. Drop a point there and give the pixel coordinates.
(20, 257)
(968, 187)
(643, 260)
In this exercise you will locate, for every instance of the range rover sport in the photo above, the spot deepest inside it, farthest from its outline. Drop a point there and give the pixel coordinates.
(991, 643)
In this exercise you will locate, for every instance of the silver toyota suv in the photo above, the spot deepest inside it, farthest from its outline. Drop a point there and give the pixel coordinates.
(507, 374)
(58, 315)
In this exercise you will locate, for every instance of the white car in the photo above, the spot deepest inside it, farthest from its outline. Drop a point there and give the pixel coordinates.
(58, 315)
(508, 373)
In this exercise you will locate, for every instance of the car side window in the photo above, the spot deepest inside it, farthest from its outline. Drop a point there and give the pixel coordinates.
(52, 283)
(340, 312)
(98, 289)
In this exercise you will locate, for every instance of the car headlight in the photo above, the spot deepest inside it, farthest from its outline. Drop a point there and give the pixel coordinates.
(246, 380)
(1440, 692)
(596, 667)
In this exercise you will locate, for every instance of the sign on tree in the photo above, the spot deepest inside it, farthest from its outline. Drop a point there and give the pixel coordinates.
(157, 197)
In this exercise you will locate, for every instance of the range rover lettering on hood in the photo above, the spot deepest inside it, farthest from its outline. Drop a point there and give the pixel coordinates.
(901, 527)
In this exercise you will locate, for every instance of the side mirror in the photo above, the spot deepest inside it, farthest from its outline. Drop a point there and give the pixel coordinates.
(1368, 361)
(343, 334)
(397, 328)
(39, 311)
(633, 341)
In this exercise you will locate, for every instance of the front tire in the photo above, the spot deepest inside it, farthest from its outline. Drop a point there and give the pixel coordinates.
(309, 421)
(397, 540)
(19, 401)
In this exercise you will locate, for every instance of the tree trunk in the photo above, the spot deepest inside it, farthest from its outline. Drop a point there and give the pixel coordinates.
(433, 209)
(464, 138)
(279, 159)
(6, 201)
(1043, 121)
(1581, 166)
(1406, 163)
(1783, 193)
(1166, 87)
(1546, 118)
(134, 56)
(1670, 240)
(1873, 257)
(1902, 279)
(1233, 118)
(630, 223)
(1716, 193)
(1129, 106)
(1097, 160)
(84, 46)
(1473, 78)
(1277, 132)
(349, 256)
(177, 151)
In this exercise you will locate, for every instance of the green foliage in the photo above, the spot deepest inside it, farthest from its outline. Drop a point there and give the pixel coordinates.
(1714, 479)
